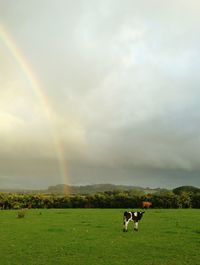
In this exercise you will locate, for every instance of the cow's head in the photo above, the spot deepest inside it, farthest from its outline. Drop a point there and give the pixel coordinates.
(140, 214)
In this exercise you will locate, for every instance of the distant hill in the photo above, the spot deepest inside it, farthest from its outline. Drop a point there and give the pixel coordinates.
(92, 189)
(87, 189)
(22, 191)
(189, 189)
(62, 189)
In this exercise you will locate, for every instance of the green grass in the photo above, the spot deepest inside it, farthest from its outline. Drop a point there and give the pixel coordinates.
(94, 236)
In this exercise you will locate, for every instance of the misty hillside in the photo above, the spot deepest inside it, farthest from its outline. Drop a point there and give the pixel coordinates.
(87, 189)
(63, 189)
(90, 189)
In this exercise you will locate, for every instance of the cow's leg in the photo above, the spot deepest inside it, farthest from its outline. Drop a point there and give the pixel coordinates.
(126, 225)
(136, 226)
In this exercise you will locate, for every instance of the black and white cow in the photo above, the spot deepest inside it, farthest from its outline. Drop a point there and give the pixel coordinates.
(132, 216)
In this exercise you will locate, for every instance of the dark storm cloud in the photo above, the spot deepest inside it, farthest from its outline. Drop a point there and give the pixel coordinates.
(121, 78)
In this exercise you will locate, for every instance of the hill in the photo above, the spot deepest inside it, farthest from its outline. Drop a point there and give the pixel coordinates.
(189, 189)
(87, 189)
(62, 189)
(95, 188)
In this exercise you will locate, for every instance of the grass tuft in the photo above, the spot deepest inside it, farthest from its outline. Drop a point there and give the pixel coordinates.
(21, 213)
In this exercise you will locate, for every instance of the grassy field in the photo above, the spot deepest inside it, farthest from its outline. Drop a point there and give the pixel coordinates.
(94, 236)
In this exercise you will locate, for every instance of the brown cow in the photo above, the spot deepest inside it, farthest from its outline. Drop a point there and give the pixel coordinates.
(146, 204)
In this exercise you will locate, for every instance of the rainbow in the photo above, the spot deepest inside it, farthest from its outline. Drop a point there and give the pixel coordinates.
(41, 95)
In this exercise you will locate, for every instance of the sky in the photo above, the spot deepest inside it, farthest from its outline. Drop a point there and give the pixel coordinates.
(99, 92)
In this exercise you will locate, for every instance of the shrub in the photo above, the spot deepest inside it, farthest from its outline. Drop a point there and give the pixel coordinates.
(21, 214)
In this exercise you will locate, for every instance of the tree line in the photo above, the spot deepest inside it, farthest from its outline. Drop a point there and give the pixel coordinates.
(109, 199)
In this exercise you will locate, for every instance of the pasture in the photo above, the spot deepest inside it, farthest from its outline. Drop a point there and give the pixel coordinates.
(95, 237)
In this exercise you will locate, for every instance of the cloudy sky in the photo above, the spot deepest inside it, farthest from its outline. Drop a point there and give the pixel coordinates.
(99, 92)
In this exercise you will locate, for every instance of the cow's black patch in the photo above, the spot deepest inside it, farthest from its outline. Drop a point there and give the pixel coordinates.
(135, 216)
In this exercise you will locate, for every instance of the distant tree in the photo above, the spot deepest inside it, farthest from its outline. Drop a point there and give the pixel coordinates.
(77, 201)
(195, 200)
(136, 192)
(123, 200)
(185, 200)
